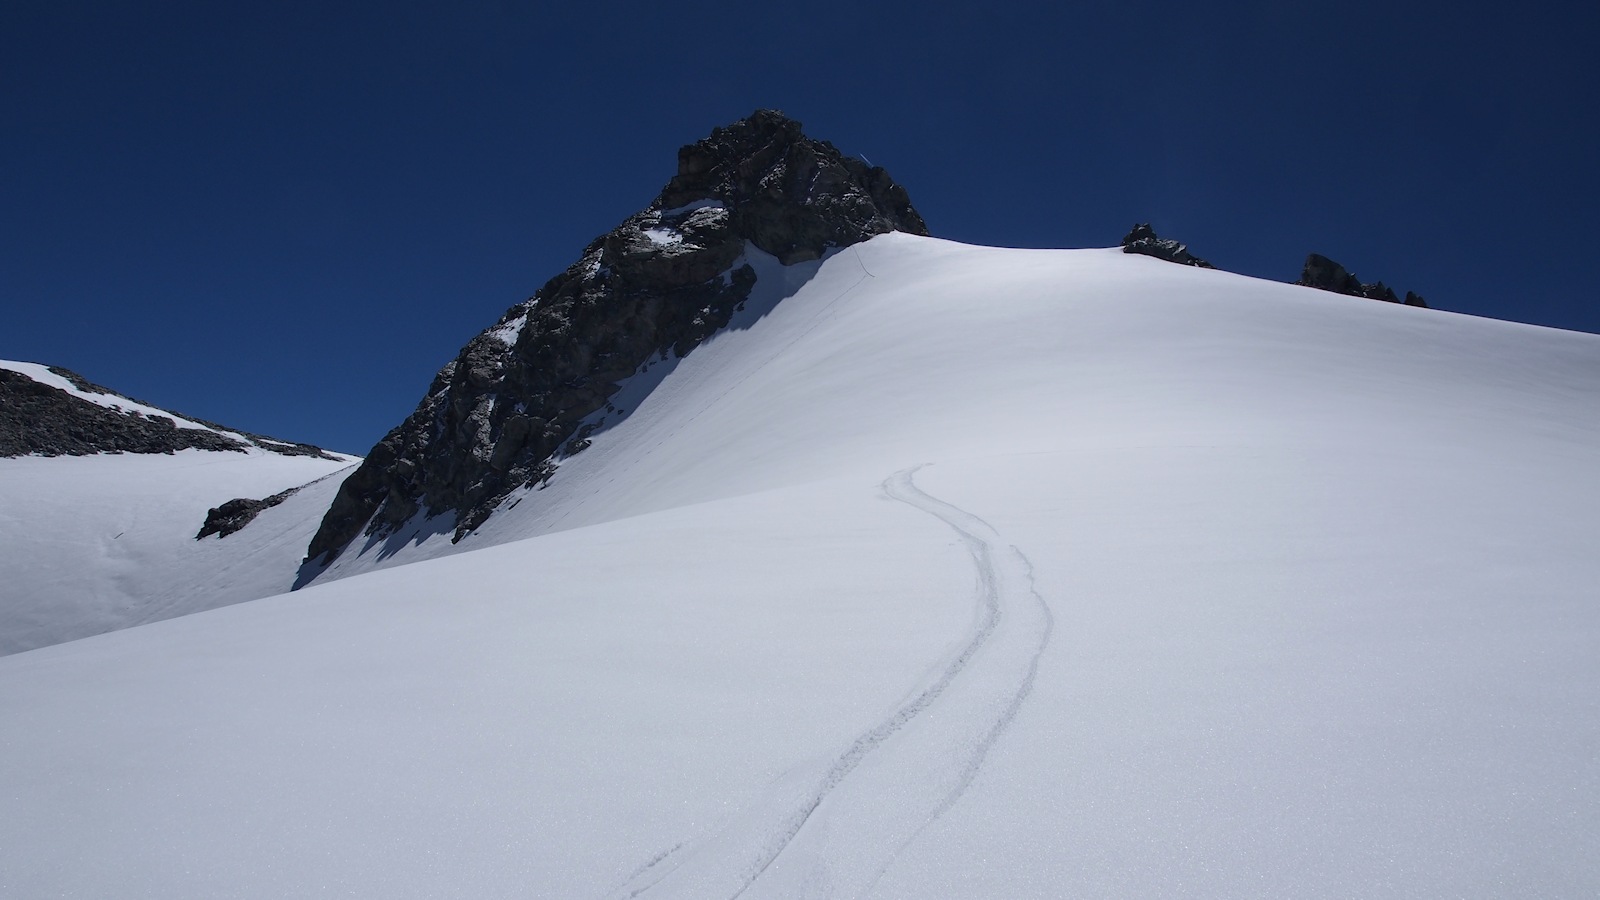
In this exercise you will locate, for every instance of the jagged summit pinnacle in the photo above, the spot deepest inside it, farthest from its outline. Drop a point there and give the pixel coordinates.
(790, 195)
(661, 282)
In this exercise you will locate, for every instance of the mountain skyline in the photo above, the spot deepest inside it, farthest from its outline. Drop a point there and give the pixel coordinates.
(288, 219)
(785, 543)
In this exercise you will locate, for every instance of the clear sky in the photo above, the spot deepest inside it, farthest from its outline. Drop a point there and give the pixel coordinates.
(286, 216)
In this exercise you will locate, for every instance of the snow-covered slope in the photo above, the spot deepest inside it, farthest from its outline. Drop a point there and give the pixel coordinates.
(102, 541)
(959, 572)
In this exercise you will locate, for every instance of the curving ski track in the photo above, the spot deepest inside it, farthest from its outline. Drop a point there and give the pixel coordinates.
(836, 833)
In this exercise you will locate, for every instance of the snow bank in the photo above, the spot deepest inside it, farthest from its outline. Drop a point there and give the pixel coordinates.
(97, 543)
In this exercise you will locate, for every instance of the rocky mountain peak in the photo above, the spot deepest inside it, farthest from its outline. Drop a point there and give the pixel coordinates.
(526, 390)
(790, 195)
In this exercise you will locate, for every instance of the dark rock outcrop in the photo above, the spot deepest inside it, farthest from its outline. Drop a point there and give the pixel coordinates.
(1324, 274)
(40, 419)
(237, 513)
(496, 418)
(45, 420)
(1143, 239)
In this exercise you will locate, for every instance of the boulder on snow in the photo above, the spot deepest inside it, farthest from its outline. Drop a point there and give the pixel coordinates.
(237, 513)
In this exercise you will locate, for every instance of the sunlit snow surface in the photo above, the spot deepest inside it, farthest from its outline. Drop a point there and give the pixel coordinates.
(101, 542)
(959, 572)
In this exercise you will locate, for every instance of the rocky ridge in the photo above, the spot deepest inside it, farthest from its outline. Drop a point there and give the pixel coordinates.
(1324, 274)
(499, 416)
(46, 420)
(1319, 271)
(1142, 239)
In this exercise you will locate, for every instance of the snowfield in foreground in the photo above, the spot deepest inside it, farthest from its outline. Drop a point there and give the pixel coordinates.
(959, 572)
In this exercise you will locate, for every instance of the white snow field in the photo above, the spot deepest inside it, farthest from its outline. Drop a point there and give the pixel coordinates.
(97, 543)
(960, 572)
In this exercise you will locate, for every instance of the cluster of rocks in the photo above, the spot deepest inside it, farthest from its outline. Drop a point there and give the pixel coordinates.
(44, 420)
(1324, 274)
(237, 513)
(496, 418)
(1319, 271)
(1143, 239)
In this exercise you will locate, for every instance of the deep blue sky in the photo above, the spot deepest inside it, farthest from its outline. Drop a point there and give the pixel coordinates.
(286, 216)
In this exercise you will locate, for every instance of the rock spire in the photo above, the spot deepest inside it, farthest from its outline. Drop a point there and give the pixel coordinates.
(496, 418)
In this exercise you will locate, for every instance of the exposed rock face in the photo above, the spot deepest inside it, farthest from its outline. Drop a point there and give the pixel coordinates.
(43, 419)
(237, 513)
(1324, 274)
(663, 281)
(1142, 239)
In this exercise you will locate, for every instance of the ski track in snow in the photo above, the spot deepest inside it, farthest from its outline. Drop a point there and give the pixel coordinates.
(837, 834)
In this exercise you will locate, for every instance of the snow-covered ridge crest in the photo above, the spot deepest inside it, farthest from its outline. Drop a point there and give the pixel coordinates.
(63, 380)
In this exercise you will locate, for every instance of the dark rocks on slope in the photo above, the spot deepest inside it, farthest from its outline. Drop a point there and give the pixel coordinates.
(44, 420)
(82, 383)
(237, 513)
(1142, 239)
(662, 282)
(1324, 274)
(39, 419)
(1319, 271)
